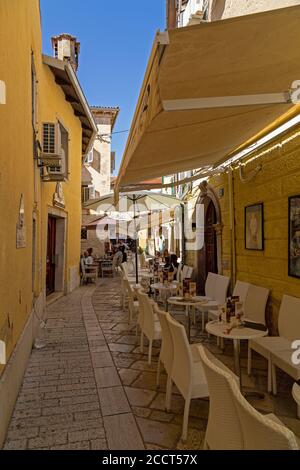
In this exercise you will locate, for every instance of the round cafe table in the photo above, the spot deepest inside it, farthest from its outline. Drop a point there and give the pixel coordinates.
(236, 334)
(187, 303)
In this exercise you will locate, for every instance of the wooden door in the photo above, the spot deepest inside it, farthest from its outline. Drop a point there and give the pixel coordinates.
(211, 262)
(50, 266)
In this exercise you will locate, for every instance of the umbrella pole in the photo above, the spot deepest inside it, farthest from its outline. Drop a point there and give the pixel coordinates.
(136, 243)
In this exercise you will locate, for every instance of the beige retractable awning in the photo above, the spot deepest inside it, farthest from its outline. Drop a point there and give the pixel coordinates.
(209, 89)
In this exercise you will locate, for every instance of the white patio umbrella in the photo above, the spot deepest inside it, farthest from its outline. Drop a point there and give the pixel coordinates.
(137, 203)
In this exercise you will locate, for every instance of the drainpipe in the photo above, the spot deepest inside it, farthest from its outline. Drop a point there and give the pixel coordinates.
(232, 228)
(183, 233)
(171, 14)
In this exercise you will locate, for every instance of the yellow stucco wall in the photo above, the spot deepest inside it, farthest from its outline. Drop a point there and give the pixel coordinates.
(53, 107)
(20, 35)
(19, 32)
(278, 179)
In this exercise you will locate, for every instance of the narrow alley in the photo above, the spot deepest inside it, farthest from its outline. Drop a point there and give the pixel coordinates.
(91, 388)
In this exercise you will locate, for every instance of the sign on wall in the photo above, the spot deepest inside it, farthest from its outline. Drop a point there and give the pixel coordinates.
(58, 197)
(2, 92)
(21, 229)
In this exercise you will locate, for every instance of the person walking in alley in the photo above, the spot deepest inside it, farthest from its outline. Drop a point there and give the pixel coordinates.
(117, 259)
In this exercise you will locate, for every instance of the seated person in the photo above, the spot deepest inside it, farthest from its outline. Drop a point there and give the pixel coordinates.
(174, 264)
(88, 259)
(118, 258)
(122, 248)
(165, 255)
(167, 265)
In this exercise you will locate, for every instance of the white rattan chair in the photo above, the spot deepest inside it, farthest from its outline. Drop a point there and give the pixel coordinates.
(219, 294)
(150, 326)
(233, 423)
(133, 305)
(179, 272)
(187, 372)
(277, 349)
(262, 432)
(255, 304)
(107, 268)
(166, 352)
(88, 273)
(223, 430)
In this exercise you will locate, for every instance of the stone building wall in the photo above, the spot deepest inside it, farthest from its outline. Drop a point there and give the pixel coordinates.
(221, 9)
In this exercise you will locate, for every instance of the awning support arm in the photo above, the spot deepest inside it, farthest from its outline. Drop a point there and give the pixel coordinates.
(227, 101)
(197, 176)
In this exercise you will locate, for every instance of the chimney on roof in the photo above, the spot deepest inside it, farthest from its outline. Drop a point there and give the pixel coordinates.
(67, 48)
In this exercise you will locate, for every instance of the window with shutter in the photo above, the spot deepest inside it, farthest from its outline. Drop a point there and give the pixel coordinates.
(49, 138)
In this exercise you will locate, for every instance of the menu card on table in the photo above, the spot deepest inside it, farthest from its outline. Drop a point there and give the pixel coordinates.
(186, 288)
(193, 289)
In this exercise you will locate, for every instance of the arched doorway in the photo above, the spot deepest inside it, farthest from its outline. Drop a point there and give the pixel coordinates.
(210, 239)
(209, 258)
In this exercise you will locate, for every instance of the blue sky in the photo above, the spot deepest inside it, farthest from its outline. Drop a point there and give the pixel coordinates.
(116, 39)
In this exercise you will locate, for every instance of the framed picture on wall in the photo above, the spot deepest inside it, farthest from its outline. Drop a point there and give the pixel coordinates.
(294, 236)
(254, 227)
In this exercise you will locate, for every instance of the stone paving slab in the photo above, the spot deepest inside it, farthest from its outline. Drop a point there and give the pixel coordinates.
(122, 432)
(113, 401)
(107, 377)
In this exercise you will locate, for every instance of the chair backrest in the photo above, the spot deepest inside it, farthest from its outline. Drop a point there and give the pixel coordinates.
(210, 284)
(221, 288)
(148, 316)
(166, 352)
(190, 272)
(128, 289)
(106, 265)
(296, 393)
(179, 272)
(289, 318)
(82, 267)
(125, 268)
(140, 318)
(261, 432)
(184, 272)
(182, 361)
(255, 304)
(224, 430)
(241, 289)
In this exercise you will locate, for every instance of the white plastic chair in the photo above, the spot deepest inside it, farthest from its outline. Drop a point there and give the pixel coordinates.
(150, 327)
(289, 330)
(166, 352)
(187, 372)
(223, 430)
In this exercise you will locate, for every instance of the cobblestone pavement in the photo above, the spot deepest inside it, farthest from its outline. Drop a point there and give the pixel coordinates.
(91, 388)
